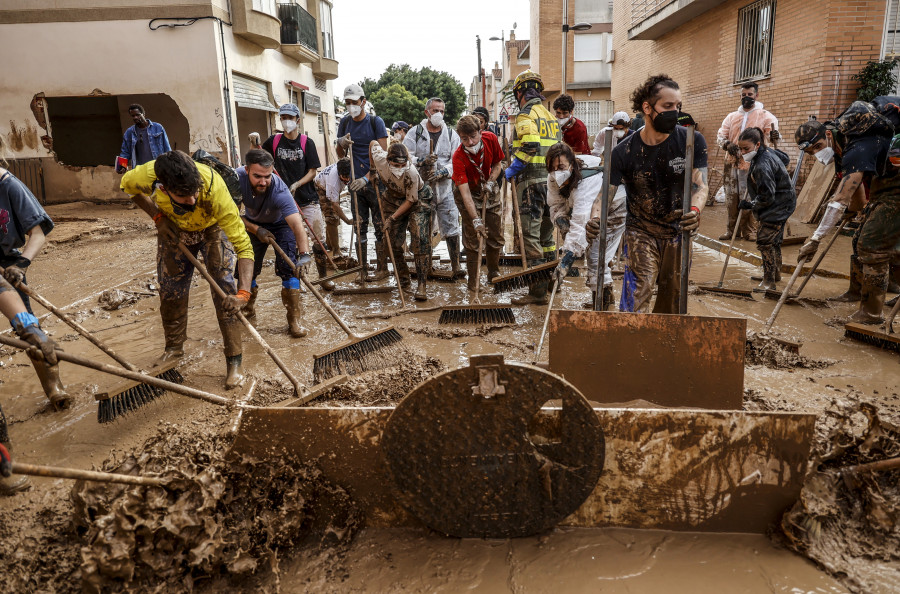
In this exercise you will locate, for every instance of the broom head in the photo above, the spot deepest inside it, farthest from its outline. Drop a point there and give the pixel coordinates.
(131, 395)
(524, 278)
(497, 313)
(874, 335)
(364, 353)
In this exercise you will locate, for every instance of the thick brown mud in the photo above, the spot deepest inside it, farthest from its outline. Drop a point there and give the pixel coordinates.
(54, 537)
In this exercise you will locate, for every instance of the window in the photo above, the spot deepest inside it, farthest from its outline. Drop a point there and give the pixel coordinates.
(594, 114)
(327, 36)
(756, 23)
(891, 47)
(266, 6)
(590, 57)
(593, 11)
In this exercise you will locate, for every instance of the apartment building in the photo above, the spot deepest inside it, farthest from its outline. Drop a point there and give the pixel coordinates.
(209, 71)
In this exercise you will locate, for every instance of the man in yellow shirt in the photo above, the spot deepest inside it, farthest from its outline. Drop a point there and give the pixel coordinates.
(191, 204)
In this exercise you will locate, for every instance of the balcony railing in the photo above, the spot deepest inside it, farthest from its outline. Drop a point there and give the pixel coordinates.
(298, 27)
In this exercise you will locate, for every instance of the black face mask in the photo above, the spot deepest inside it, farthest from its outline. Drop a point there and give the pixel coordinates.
(181, 209)
(747, 102)
(665, 121)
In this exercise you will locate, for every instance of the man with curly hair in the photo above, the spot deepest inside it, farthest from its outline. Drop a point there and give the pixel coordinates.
(574, 132)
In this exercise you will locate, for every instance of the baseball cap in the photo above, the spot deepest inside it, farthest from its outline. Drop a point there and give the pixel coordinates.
(809, 133)
(289, 109)
(353, 92)
(400, 125)
(619, 118)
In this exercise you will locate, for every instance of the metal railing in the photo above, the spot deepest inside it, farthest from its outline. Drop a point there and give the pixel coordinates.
(643, 9)
(753, 58)
(31, 173)
(298, 27)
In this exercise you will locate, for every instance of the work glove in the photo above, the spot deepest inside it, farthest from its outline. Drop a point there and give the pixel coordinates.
(294, 187)
(592, 229)
(234, 303)
(562, 223)
(254, 139)
(344, 141)
(439, 174)
(562, 269)
(774, 135)
(732, 149)
(43, 347)
(427, 161)
(807, 251)
(690, 221)
(387, 224)
(509, 173)
(480, 231)
(166, 229)
(745, 205)
(5, 462)
(303, 261)
(357, 184)
(491, 187)
(265, 235)
(15, 273)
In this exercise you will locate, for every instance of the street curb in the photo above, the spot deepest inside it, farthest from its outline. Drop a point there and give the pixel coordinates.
(752, 258)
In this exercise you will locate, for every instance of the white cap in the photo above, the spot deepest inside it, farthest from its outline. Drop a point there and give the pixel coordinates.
(353, 92)
(619, 116)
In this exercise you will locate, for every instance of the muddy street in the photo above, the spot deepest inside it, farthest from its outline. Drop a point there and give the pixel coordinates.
(100, 267)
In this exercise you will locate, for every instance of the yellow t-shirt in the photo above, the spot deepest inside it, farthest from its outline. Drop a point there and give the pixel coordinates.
(214, 205)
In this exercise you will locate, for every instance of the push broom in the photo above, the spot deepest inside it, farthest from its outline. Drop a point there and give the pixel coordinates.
(360, 353)
(476, 312)
(129, 391)
(883, 337)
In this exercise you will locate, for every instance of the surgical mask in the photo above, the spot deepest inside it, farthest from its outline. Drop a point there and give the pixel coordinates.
(474, 149)
(665, 121)
(563, 121)
(619, 133)
(181, 209)
(355, 110)
(826, 155)
(747, 102)
(436, 119)
(749, 156)
(397, 137)
(399, 171)
(289, 125)
(562, 177)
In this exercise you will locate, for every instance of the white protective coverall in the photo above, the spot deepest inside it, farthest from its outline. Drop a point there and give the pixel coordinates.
(418, 141)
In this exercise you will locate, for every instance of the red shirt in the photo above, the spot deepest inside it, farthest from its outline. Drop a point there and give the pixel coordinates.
(575, 135)
(464, 170)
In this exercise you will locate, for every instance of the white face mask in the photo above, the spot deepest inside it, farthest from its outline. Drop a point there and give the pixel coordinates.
(436, 118)
(562, 177)
(399, 171)
(563, 121)
(355, 110)
(474, 149)
(826, 155)
(619, 133)
(749, 156)
(397, 137)
(289, 125)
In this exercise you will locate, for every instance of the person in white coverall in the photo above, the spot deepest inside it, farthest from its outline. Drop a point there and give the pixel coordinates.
(619, 127)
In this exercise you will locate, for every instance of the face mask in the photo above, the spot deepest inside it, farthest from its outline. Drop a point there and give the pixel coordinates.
(397, 137)
(399, 171)
(436, 119)
(826, 155)
(562, 177)
(355, 110)
(181, 209)
(747, 102)
(474, 149)
(289, 125)
(563, 121)
(665, 122)
(619, 133)
(749, 156)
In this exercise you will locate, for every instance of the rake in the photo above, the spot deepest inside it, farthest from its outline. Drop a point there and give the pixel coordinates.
(476, 313)
(129, 391)
(361, 353)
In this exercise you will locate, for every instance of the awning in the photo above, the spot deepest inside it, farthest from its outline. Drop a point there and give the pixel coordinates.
(252, 93)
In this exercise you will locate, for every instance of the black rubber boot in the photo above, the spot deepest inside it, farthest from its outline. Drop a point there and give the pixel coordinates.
(769, 265)
(492, 256)
(608, 299)
(9, 486)
(422, 265)
(471, 270)
(874, 288)
(381, 266)
(322, 267)
(453, 251)
(174, 323)
(363, 261)
(854, 293)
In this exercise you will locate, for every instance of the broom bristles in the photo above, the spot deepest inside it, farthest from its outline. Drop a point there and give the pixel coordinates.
(878, 338)
(112, 405)
(522, 280)
(477, 314)
(376, 351)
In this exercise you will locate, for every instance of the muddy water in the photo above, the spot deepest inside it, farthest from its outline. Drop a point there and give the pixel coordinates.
(78, 271)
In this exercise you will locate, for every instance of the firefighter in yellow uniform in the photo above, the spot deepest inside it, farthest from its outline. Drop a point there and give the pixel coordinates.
(536, 132)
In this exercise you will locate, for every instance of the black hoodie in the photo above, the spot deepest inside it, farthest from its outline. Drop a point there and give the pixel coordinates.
(769, 186)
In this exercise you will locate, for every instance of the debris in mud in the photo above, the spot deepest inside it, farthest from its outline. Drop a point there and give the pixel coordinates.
(849, 523)
(219, 517)
(384, 386)
(271, 391)
(761, 349)
(449, 333)
(112, 299)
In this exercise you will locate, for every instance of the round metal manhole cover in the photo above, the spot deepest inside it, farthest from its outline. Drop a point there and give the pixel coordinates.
(471, 453)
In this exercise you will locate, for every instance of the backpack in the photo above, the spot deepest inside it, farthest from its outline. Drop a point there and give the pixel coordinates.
(420, 133)
(277, 139)
(867, 119)
(889, 107)
(342, 128)
(228, 175)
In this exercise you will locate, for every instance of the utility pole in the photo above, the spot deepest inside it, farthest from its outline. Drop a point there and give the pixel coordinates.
(565, 41)
(480, 70)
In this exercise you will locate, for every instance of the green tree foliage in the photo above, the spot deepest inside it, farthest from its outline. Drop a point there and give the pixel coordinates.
(876, 79)
(423, 83)
(394, 103)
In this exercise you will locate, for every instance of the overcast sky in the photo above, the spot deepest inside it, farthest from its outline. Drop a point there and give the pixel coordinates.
(370, 35)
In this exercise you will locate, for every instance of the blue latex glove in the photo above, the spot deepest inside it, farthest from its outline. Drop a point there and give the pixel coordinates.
(565, 263)
(562, 223)
(516, 167)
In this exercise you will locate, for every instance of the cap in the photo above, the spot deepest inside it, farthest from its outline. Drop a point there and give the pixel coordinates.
(482, 111)
(353, 92)
(809, 133)
(399, 125)
(289, 109)
(619, 118)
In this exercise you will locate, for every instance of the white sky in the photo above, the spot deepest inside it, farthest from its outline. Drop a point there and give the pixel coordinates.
(370, 35)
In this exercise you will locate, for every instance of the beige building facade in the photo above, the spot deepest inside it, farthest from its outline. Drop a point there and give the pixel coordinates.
(209, 72)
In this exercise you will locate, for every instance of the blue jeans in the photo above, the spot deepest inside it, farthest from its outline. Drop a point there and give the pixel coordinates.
(368, 205)
(285, 239)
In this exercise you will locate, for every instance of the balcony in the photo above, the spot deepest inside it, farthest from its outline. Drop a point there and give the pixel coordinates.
(262, 28)
(326, 68)
(299, 34)
(651, 19)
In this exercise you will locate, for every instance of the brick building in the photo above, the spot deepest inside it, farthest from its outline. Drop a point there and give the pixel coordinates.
(802, 54)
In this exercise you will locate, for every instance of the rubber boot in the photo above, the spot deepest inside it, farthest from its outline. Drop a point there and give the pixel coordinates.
(537, 293)
(492, 255)
(333, 240)
(291, 300)
(53, 388)
(249, 310)
(608, 300)
(234, 372)
(854, 293)
(727, 235)
(472, 277)
(874, 288)
(381, 267)
(453, 250)
(322, 268)
(14, 484)
(589, 305)
(174, 323)
(422, 264)
(769, 261)
(361, 261)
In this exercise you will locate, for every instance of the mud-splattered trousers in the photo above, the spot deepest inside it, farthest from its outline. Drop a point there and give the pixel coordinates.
(285, 239)
(651, 262)
(735, 182)
(175, 272)
(368, 206)
(417, 220)
(537, 228)
(492, 223)
(769, 238)
(877, 240)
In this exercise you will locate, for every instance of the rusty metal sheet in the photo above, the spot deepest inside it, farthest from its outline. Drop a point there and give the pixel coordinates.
(471, 455)
(701, 470)
(668, 360)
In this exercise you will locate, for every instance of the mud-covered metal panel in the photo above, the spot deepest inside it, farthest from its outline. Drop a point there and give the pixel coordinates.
(728, 471)
(668, 360)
